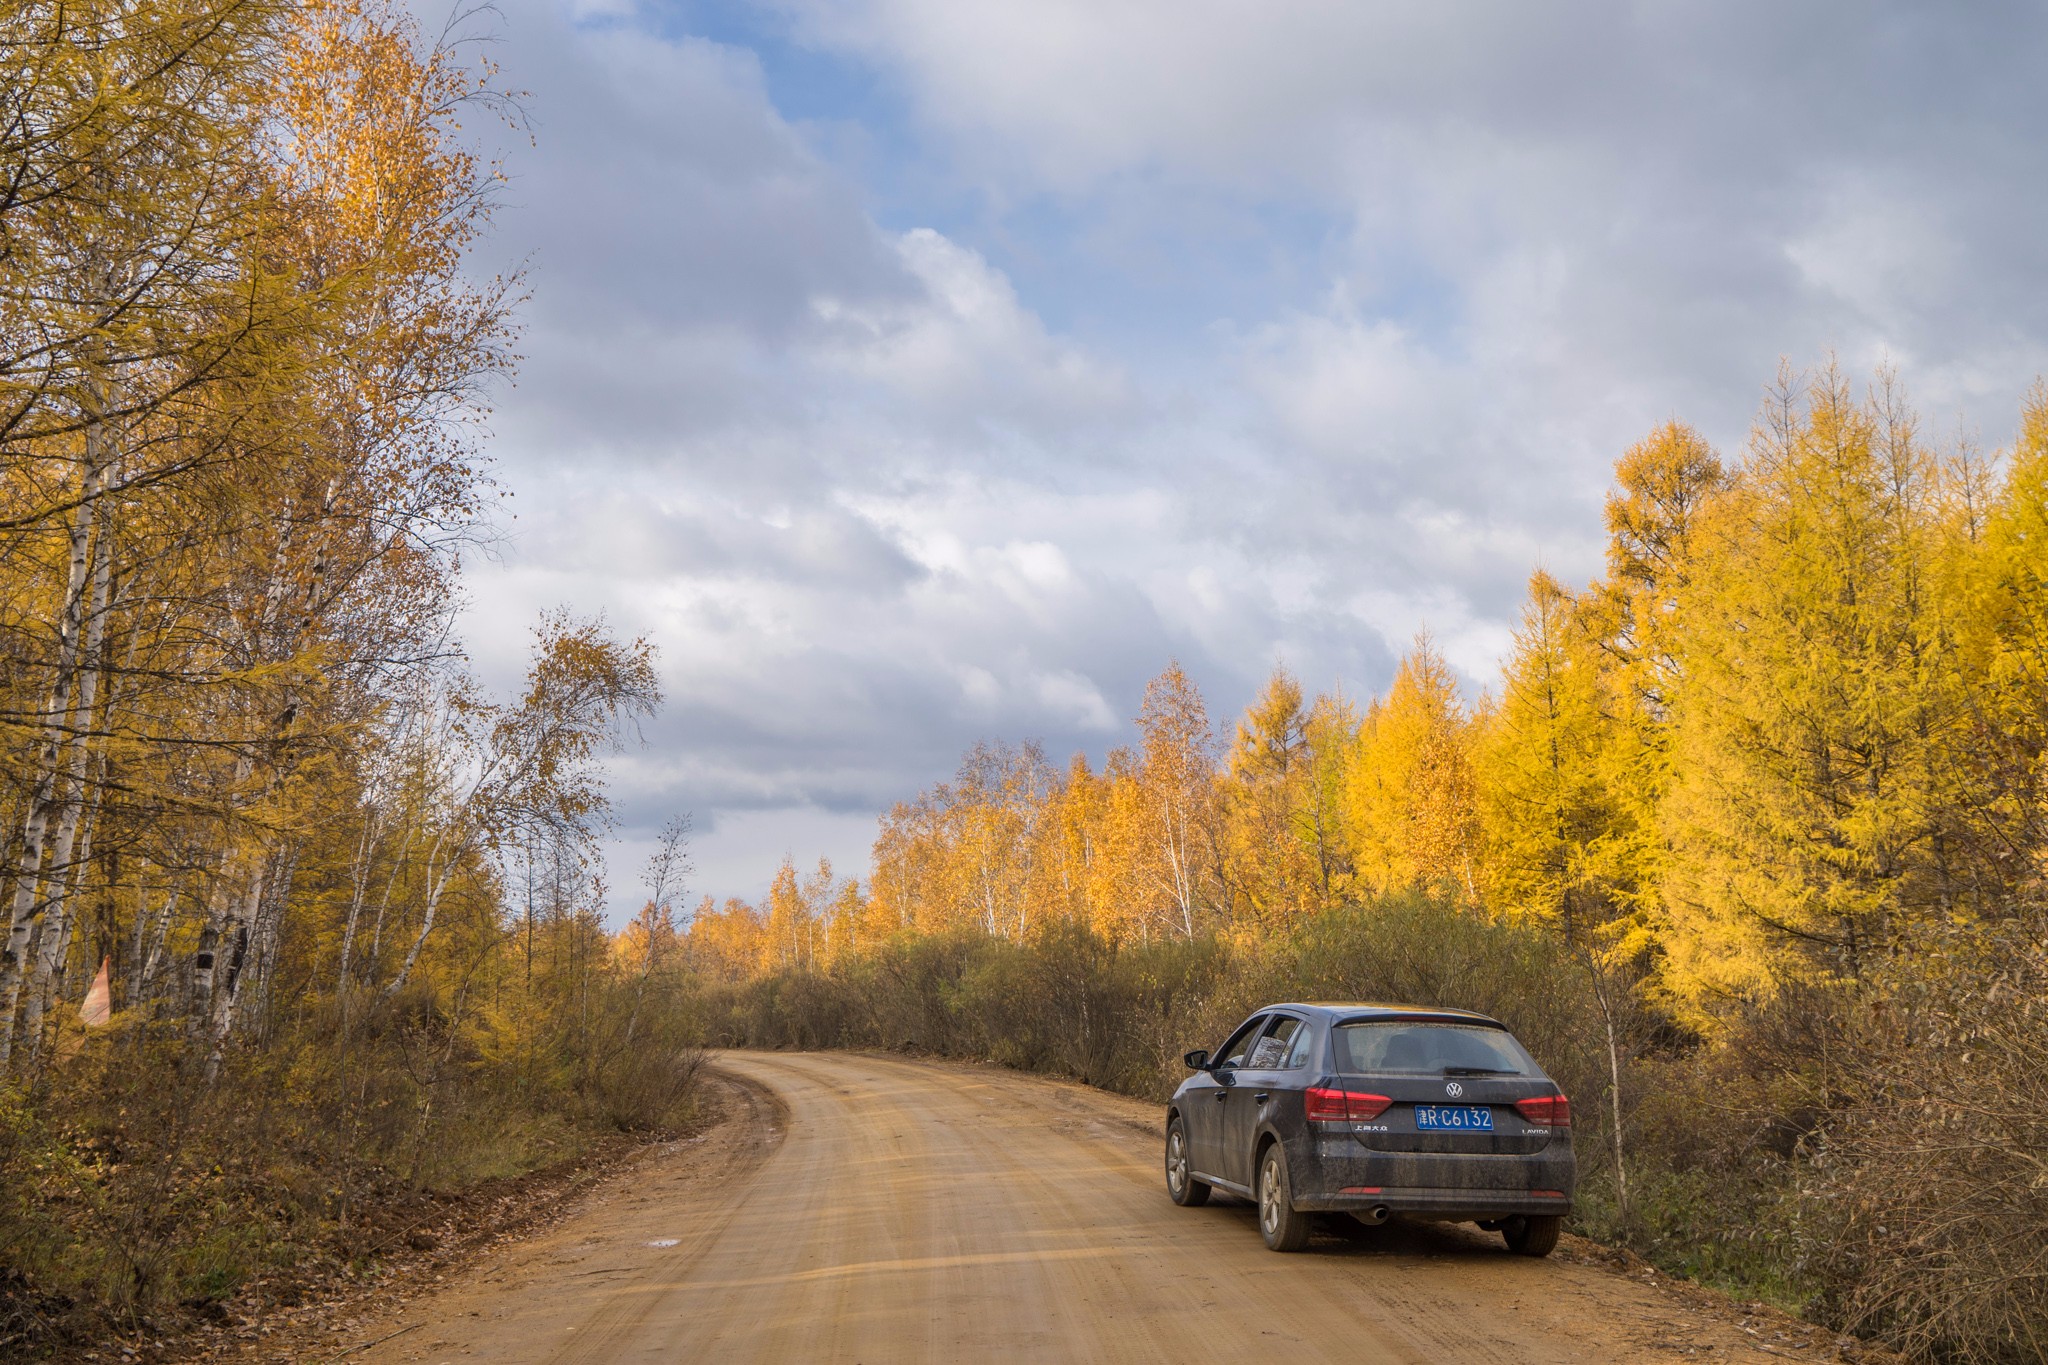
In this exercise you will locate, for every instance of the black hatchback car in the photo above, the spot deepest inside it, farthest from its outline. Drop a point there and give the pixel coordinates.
(1373, 1110)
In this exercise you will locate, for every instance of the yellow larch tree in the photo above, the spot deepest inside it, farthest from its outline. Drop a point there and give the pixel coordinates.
(1817, 695)
(1551, 767)
(728, 941)
(1123, 894)
(1410, 812)
(1055, 887)
(1998, 772)
(1281, 792)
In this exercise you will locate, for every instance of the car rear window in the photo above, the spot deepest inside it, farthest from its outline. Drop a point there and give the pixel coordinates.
(1429, 1048)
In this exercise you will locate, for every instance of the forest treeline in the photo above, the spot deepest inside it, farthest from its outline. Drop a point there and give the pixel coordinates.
(1747, 838)
(301, 924)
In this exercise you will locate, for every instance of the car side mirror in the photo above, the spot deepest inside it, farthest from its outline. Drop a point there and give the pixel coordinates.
(1197, 1059)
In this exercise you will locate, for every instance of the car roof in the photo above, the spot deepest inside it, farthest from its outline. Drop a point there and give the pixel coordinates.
(1380, 1009)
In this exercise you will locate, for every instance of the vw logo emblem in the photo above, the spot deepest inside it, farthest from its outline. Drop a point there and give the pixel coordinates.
(1453, 1089)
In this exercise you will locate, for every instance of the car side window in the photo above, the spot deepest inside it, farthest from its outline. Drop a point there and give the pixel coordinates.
(1297, 1055)
(1233, 1052)
(1275, 1044)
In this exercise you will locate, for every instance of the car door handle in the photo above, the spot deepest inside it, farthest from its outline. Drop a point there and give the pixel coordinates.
(1222, 1095)
(1262, 1097)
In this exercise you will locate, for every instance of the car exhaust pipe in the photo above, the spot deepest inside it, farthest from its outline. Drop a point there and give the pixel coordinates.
(1373, 1216)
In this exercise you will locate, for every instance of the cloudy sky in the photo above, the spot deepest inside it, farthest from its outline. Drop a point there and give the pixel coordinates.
(914, 371)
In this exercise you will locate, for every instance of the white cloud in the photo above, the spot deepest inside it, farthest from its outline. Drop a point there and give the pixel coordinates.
(964, 349)
(1350, 388)
(1075, 90)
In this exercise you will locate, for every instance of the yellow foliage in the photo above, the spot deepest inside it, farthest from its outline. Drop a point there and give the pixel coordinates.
(1410, 812)
(1560, 768)
(1817, 699)
(1282, 794)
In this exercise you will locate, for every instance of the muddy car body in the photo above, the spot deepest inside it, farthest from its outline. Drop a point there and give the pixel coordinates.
(1372, 1110)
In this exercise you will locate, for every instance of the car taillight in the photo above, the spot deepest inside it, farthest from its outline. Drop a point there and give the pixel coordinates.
(1324, 1105)
(1366, 1106)
(1552, 1110)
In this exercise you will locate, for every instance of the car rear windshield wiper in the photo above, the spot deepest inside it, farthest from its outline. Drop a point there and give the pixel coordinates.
(1478, 1071)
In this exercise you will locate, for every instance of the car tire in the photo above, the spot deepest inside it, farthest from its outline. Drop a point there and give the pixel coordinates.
(1181, 1185)
(1284, 1227)
(1532, 1234)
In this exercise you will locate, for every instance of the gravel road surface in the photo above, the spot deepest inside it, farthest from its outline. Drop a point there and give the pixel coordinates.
(867, 1209)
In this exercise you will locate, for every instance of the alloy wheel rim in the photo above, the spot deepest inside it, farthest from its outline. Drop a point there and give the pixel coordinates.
(1176, 1162)
(1269, 1196)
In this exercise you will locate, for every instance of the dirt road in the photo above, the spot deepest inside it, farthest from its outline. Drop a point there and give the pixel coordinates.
(873, 1209)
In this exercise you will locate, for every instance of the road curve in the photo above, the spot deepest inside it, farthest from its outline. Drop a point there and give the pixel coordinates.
(868, 1209)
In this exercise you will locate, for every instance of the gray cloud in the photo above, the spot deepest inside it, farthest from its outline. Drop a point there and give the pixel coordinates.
(664, 169)
(1669, 197)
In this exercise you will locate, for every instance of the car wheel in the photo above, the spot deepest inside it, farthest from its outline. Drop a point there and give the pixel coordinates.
(1532, 1234)
(1284, 1227)
(1181, 1184)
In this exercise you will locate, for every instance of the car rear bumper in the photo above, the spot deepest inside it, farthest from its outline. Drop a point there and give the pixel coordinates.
(1339, 1174)
(1457, 1205)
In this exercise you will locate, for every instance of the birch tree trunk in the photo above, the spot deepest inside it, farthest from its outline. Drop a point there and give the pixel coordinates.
(149, 961)
(269, 927)
(239, 937)
(366, 851)
(68, 851)
(437, 883)
(230, 917)
(55, 949)
(376, 953)
(27, 908)
(206, 958)
(254, 935)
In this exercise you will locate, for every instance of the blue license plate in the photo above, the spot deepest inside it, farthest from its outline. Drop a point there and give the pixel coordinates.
(1453, 1118)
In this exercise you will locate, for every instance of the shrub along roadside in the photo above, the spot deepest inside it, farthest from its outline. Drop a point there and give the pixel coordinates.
(138, 1200)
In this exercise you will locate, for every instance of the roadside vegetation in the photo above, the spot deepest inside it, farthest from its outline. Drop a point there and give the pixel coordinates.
(1747, 842)
(302, 929)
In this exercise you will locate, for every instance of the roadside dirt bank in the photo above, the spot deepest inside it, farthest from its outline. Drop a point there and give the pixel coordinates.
(872, 1209)
(417, 1243)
